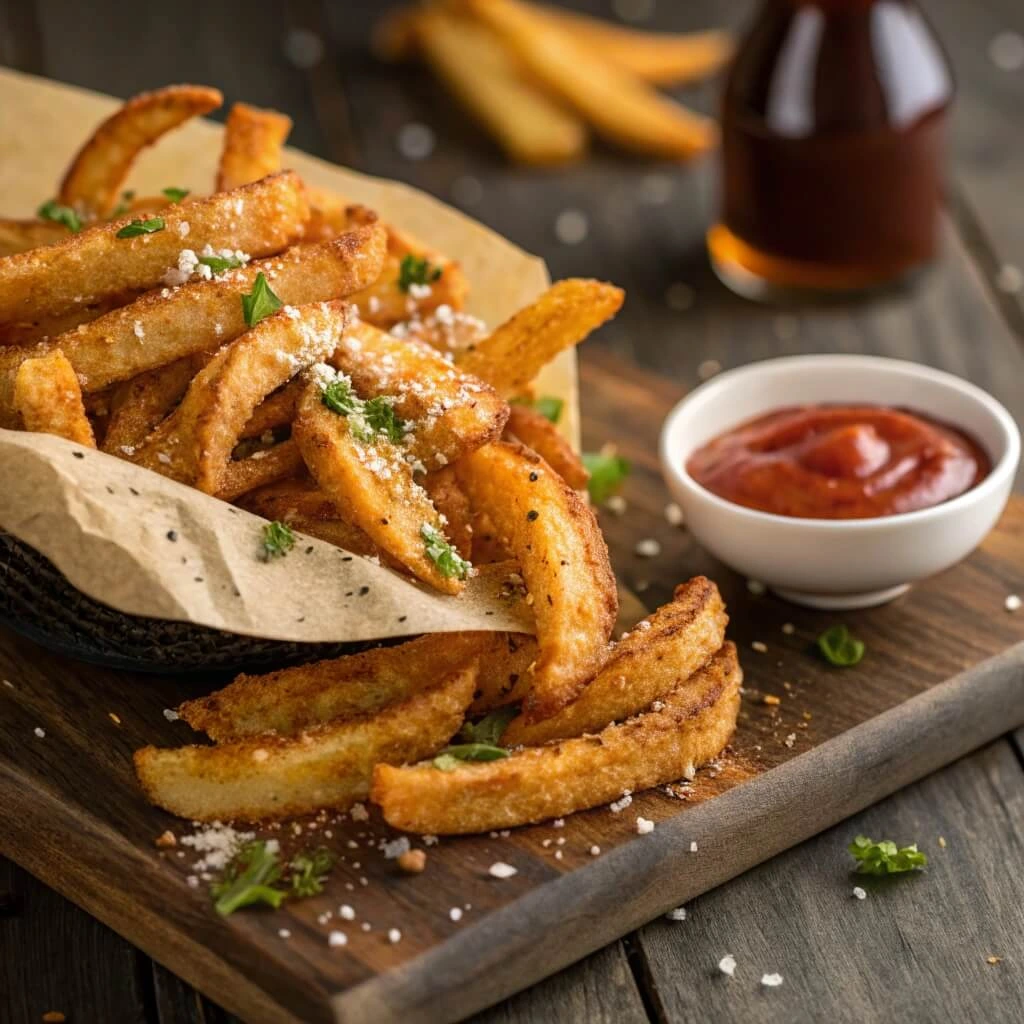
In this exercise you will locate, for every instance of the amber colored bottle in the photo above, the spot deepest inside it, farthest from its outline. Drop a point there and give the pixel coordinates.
(833, 128)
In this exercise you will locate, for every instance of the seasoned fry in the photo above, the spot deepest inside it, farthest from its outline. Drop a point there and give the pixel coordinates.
(49, 400)
(453, 413)
(293, 699)
(511, 357)
(372, 484)
(328, 216)
(275, 411)
(554, 537)
(474, 64)
(195, 442)
(21, 235)
(139, 404)
(660, 58)
(32, 332)
(253, 140)
(282, 461)
(199, 315)
(692, 727)
(95, 177)
(328, 765)
(623, 109)
(536, 431)
(259, 219)
(451, 502)
(656, 657)
(506, 671)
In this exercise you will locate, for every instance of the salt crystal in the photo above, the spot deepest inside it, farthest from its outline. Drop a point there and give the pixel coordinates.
(679, 914)
(727, 965)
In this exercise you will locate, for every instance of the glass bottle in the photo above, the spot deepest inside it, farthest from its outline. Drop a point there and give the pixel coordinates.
(833, 127)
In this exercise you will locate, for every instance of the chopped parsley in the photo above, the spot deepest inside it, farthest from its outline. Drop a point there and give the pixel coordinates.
(175, 194)
(416, 270)
(278, 540)
(251, 877)
(547, 405)
(381, 418)
(309, 871)
(884, 857)
(142, 227)
(840, 648)
(607, 472)
(489, 729)
(368, 419)
(448, 561)
(52, 210)
(218, 264)
(260, 302)
(450, 758)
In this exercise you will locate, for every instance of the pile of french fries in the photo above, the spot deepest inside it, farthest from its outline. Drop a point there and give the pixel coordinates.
(287, 351)
(540, 79)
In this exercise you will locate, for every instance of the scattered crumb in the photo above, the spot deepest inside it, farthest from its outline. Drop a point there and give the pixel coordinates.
(693, 846)
(284, 933)
(166, 840)
(394, 935)
(788, 628)
(942, 842)
(989, 960)
(1013, 603)
(455, 913)
(359, 812)
(727, 965)
(760, 646)
(412, 862)
(643, 826)
(53, 1017)
(40, 732)
(616, 504)
(558, 823)
(347, 913)
(771, 699)
(171, 715)
(114, 718)
(499, 869)
(790, 740)
(571, 227)
(679, 914)
(673, 514)
(337, 938)
(771, 980)
(648, 548)
(621, 805)
(859, 893)
(595, 851)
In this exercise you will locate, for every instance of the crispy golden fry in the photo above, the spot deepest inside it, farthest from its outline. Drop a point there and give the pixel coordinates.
(43, 328)
(94, 179)
(554, 537)
(536, 431)
(160, 328)
(473, 63)
(49, 400)
(328, 215)
(453, 413)
(653, 659)
(506, 671)
(253, 140)
(620, 107)
(372, 484)
(138, 405)
(451, 502)
(293, 699)
(21, 235)
(260, 219)
(511, 357)
(304, 507)
(661, 58)
(692, 727)
(195, 442)
(328, 765)
(275, 411)
(261, 468)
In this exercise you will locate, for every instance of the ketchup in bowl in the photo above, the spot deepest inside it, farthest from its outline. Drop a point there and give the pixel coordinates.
(840, 462)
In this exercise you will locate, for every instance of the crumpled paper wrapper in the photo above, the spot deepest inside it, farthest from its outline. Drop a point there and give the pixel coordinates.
(108, 525)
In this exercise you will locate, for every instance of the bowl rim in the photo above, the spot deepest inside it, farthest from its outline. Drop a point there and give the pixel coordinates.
(674, 466)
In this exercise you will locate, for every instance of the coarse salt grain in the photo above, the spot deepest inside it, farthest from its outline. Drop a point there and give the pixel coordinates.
(771, 980)
(859, 893)
(336, 939)
(595, 851)
(644, 826)
(183, 229)
(648, 548)
(346, 912)
(284, 933)
(40, 732)
(396, 848)
(727, 965)
(499, 869)
(693, 846)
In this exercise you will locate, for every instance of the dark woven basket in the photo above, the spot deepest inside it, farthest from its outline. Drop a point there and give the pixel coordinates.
(37, 601)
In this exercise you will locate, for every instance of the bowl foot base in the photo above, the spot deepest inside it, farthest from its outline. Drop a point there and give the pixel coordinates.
(843, 602)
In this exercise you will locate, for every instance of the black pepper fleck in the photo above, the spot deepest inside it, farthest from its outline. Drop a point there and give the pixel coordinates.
(133, 491)
(78, 455)
(172, 535)
(363, 591)
(532, 515)
(198, 579)
(402, 618)
(534, 478)
(309, 550)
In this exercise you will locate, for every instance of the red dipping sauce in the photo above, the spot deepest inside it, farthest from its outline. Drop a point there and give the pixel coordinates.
(840, 462)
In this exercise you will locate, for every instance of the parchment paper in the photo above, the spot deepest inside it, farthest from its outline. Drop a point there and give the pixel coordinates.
(105, 523)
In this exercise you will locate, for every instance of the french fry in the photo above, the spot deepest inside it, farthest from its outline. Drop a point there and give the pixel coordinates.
(49, 400)
(537, 432)
(655, 658)
(372, 484)
(327, 765)
(562, 556)
(511, 357)
(620, 107)
(275, 411)
(660, 58)
(506, 672)
(199, 315)
(453, 412)
(43, 328)
(193, 445)
(253, 140)
(21, 235)
(95, 177)
(261, 468)
(291, 700)
(691, 728)
(450, 500)
(473, 63)
(328, 215)
(260, 219)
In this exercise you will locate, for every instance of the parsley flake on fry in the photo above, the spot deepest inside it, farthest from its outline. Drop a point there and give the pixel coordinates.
(449, 758)
(142, 227)
(175, 195)
(52, 210)
(884, 857)
(840, 648)
(248, 879)
(416, 270)
(218, 264)
(607, 472)
(278, 540)
(489, 729)
(260, 302)
(309, 871)
(448, 561)
(368, 419)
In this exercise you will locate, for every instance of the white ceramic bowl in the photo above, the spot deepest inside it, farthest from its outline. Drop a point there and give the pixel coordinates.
(847, 563)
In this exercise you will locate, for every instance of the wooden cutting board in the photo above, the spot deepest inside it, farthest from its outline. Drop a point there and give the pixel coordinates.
(943, 674)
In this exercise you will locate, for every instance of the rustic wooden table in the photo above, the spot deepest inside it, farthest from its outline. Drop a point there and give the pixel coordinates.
(917, 952)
